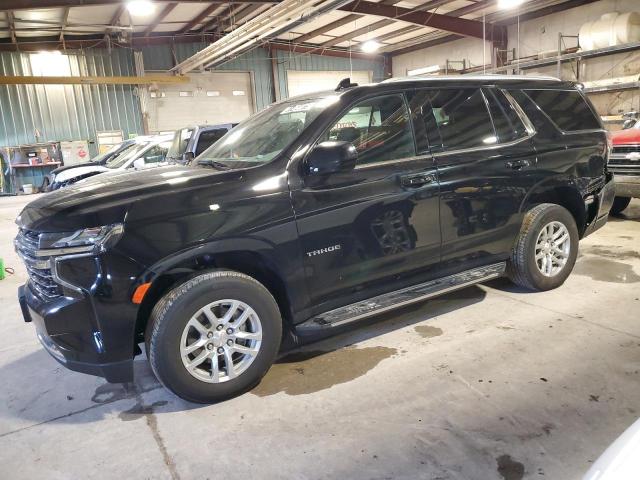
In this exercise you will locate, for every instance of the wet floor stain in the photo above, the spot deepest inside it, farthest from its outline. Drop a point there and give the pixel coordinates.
(606, 270)
(509, 469)
(112, 392)
(427, 331)
(309, 372)
(618, 253)
(139, 410)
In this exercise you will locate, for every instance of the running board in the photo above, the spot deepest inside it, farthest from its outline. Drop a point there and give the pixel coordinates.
(399, 298)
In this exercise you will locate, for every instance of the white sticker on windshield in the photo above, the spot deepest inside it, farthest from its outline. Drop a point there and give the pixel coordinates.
(303, 107)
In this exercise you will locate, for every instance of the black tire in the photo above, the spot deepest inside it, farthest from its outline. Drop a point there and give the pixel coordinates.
(169, 318)
(619, 204)
(522, 267)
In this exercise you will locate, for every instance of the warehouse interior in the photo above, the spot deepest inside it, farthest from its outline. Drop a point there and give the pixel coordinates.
(487, 382)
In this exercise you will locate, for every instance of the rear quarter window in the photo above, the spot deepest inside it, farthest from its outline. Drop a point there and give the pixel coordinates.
(566, 108)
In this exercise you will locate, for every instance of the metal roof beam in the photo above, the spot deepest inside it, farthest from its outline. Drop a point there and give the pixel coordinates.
(161, 16)
(65, 19)
(460, 26)
(12, 27)
(357, 32)
(31, 4)
(454, 13)
(339, 23)
(560, 7)
(198, 19)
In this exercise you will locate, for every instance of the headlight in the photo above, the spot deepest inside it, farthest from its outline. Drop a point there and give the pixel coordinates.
(94, 239)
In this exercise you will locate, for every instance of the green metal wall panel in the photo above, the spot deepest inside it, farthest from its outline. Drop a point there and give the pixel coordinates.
(77, 112)
(32, 113)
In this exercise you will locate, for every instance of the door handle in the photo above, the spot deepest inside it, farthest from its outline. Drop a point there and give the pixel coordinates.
(414, 181)
(517, 164)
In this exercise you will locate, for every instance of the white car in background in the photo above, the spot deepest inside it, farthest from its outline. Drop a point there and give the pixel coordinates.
(147, 152)
(621, 461)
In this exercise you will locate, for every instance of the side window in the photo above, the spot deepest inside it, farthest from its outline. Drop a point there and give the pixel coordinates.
(566, 108)
(459, 115)
(378, 127)
(208, 138)
(506, 121)
(155, 154)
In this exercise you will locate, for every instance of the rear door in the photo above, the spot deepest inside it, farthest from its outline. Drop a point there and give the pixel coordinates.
(373, 229)
(486, 164)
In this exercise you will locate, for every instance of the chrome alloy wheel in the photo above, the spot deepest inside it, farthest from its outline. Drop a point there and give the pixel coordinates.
(221, 341)
(552, 248)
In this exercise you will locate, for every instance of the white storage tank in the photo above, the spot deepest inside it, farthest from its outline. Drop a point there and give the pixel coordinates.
(611, 29)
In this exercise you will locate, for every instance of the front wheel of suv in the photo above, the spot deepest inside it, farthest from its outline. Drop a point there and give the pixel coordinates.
(619, 204)
(546, 248)
(214, 336)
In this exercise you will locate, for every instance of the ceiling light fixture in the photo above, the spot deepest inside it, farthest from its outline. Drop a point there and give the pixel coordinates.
(141, 8)
(507, 4)
(370, 46)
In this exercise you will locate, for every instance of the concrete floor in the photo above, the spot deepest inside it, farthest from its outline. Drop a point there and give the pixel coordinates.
(487, 383)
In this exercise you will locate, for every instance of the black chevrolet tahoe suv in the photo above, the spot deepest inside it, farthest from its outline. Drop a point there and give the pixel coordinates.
(317, 212)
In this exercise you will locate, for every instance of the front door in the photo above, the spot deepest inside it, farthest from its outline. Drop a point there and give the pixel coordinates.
(375, 228)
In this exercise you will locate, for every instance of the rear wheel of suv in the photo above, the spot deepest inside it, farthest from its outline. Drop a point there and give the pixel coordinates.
(214, 336)
(546, 248)
(619, 204)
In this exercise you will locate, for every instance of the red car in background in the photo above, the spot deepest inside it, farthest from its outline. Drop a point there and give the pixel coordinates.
(624, 163)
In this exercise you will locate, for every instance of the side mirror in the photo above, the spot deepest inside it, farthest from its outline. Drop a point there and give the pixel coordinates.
(139, 164)
(628, 123)
(188, 157)
(332, 157)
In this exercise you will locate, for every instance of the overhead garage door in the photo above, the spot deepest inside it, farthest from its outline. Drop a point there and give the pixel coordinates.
(209, 98)
(300, 82)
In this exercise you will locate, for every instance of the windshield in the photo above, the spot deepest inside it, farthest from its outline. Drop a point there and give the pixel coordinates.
(127, 154)
(261, 137)
(107, 154)
(180, 142)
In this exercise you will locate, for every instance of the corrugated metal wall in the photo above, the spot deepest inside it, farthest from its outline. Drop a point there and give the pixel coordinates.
(68, 112)
(77, 112)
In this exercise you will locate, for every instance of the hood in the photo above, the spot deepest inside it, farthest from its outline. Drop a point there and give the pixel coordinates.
(621, 137)
(65, 168)
(105, 199)
(79, 171)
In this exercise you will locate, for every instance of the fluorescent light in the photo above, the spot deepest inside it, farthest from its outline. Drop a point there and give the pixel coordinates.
(370, 46)
(141, 8)
(506, 4)
(424, 70)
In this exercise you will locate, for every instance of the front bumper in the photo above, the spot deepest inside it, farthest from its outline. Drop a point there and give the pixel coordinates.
(600, 206)
(90, 329)
(627, 185)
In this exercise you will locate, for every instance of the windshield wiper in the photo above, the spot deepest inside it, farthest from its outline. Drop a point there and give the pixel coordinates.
(213, 163)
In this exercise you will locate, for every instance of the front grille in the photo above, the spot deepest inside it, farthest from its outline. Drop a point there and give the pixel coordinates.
(624, 149)
(38, 268)
(623, 162)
